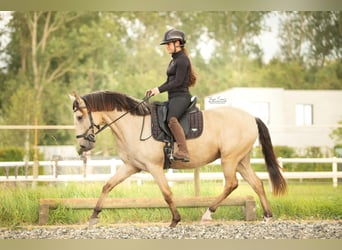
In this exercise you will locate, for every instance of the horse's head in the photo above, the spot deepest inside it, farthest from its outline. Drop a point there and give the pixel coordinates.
(88, 113)
(85, 124)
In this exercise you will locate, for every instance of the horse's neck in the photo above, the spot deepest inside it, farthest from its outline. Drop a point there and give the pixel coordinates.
(126, 126)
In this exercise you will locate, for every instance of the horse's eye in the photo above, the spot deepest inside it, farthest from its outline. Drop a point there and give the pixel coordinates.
(79, 117)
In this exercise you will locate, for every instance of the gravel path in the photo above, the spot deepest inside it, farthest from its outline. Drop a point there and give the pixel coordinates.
(219, 230)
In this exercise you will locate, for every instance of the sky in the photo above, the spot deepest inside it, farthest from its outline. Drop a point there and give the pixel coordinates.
(268, 40)
(4, 18)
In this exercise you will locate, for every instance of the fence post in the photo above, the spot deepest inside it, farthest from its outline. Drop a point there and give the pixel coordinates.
(43, 214)
(16, 172)
(26, 168)
(197, 182)
(7, 172)
(334, 170)
(55, 168)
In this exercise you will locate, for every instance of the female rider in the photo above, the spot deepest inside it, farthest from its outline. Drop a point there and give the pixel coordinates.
(180, 76)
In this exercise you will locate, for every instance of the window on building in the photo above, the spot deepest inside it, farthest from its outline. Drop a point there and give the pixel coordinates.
(304, 114)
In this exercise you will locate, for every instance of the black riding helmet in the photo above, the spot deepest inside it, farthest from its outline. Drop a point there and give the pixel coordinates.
(174, 35)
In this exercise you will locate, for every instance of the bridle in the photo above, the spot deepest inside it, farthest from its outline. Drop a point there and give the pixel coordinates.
(91, 136)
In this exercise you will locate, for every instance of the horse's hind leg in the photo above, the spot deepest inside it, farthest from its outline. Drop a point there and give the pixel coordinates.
(122, 174)
(246, 171)
(231, 183)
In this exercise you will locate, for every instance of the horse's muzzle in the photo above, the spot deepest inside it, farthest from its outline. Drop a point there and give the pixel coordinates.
(84, 148)
(80, 151)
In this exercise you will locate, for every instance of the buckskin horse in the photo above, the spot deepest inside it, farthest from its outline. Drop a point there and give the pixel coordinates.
(229, 133)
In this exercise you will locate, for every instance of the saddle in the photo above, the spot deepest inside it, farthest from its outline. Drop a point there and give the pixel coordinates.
(191, 121)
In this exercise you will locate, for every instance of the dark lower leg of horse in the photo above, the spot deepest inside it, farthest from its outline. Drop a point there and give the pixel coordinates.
(94, 217)
(162, 182)
(254, 181)
(122, 174)
(98, 208)
(175, 214)
(258, 187)
(175, 217)
(266, 207)
(227, 191)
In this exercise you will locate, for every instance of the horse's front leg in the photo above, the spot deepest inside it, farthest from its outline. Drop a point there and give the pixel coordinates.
(161, 180)
(122, 174)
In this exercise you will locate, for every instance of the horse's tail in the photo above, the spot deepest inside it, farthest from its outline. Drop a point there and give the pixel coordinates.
(279, 185)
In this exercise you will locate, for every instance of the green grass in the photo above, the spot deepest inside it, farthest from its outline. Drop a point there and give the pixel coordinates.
(19, 204)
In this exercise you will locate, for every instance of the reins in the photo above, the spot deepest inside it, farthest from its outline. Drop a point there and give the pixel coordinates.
(141, 131)
(146, 98)
(91, 137)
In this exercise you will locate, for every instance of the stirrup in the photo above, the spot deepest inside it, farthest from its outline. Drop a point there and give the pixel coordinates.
(171, 158)
(183, 159)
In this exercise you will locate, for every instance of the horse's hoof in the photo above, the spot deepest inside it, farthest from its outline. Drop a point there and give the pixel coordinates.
(93, 221)
(267, 219)
(173, 224)
(205, 222)
(206, 217)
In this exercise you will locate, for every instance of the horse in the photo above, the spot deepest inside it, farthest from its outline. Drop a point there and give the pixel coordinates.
(229, 133)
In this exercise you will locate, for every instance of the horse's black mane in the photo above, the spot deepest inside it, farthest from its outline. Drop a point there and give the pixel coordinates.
(110, 100)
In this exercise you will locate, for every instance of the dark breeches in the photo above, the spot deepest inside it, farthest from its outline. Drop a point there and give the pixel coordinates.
(177, 106)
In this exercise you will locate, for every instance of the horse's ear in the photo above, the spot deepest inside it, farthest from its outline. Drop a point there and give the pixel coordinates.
(77, 97)
(72, 97)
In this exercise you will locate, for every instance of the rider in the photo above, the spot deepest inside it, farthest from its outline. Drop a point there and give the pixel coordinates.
(180, 76)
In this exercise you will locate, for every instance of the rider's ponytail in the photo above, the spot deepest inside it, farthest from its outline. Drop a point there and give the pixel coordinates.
(193, 77)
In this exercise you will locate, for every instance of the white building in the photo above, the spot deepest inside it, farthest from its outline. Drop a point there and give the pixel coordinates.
(295, 118)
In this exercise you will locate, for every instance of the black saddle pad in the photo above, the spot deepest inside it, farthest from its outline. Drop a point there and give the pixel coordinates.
(191, 121)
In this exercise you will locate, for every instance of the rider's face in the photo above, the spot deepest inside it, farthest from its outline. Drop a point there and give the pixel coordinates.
(171, 47)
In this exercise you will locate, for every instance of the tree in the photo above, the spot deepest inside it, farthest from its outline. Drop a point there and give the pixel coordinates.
(54, 51)
(46, 49)
(325, 37)
(336, 134)
(312, 38)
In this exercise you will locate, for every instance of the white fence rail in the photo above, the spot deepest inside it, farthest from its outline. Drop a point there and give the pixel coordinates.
(77, 170)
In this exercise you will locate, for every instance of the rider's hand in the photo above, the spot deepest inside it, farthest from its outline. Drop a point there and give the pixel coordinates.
(148, 93)
(152, 92)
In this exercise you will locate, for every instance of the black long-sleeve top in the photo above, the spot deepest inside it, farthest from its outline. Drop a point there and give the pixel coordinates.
(178, 76)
